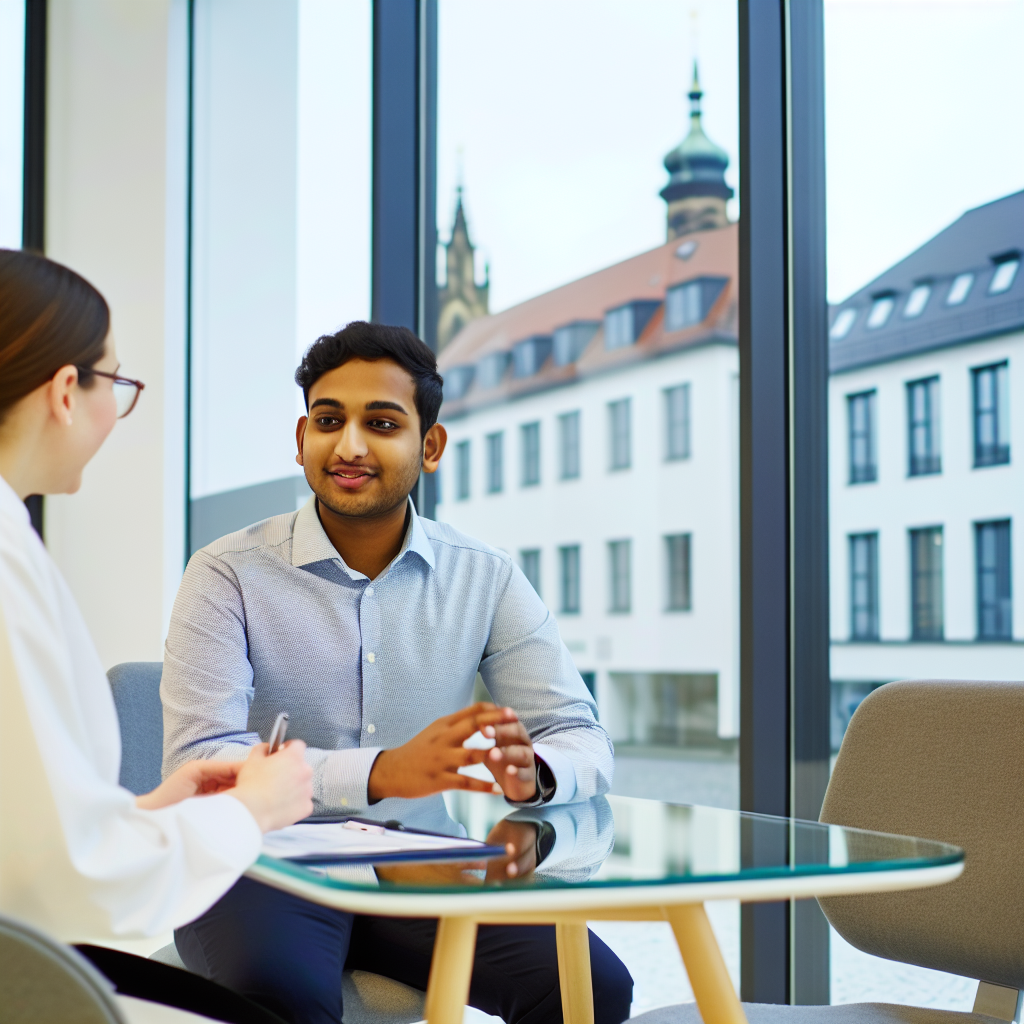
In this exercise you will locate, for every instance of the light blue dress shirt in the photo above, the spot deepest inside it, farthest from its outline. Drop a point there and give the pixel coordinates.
(271, 619)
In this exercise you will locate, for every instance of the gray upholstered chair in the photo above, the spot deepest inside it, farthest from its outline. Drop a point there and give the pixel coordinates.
(43, 981)
(940, 760)
(368, 998)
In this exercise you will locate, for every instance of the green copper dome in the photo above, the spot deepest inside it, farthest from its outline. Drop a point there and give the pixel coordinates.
(696, 166)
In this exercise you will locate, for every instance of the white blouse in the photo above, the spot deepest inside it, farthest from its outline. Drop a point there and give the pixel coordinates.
(77, 857)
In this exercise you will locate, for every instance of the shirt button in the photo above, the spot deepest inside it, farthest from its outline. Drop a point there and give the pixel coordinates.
(371, 657)
(369, 591)
(371, 728)
(344, 801)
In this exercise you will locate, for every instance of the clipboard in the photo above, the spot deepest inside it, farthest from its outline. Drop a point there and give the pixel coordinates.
(349, 840)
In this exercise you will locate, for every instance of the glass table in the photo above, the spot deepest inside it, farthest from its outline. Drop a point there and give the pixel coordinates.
(617, 858)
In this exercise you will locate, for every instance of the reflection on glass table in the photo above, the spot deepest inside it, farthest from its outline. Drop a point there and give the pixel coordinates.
(648, 860)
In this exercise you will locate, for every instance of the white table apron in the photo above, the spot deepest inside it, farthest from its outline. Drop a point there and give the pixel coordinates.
(569, 909)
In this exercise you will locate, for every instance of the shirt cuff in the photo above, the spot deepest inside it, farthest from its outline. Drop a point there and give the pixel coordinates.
(227, 826)
(563, 771)
(343, 781)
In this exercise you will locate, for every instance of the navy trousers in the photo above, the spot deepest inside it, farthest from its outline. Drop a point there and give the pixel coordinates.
(287, 954)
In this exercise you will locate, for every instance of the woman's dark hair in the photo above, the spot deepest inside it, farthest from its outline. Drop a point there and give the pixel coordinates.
(49, 317)
(360, 340)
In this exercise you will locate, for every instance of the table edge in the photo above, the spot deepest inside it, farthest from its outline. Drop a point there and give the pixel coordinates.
(597, 898)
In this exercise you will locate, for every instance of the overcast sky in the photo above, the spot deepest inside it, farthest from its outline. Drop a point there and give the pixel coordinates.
(564, 109)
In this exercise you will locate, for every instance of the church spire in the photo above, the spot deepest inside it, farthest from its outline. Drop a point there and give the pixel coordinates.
(460, 299)
(696, 192)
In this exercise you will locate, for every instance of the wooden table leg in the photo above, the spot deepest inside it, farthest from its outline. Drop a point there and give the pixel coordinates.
(573, 942)
(709, 979)
(450, 970)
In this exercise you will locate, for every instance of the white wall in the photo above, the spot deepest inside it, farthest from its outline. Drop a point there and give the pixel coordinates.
(115, 159)
(653, 498)
(956, 498)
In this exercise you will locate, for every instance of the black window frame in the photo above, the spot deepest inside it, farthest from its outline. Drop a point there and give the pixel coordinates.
(864, 590)
(927, 584)
(993, 579)
(862, 471)
(495, 452)
(924, 427)
(991, 418)
(530, 454)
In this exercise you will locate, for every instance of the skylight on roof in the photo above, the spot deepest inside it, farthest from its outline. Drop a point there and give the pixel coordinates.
(917, 300)
(959, 289)
(880, 310)
(843, 323)
(1006, 271)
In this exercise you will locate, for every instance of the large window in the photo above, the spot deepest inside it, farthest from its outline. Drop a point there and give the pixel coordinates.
(620, 438)
(864, 586)
(462, 470)
(923, 427)
(569, 578)
(677, 560)
(993, 570)
(926, 596)
(495, 462)
(861, 431)
(991, 415)
(620, 576)
(569, 445)
(677, 422)
(529, 437)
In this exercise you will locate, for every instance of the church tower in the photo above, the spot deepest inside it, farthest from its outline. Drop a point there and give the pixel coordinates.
(696, 192)
(460, 299)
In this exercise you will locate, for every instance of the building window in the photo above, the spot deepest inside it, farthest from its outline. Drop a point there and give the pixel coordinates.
(923, 427)
(861, 414)
(864, 586)
(619, 590)
(992, 555)
(991, 415)
(619, 434)
(926, 621)
(917, 300)
(1006, 271)
(530, 436)
(842, 324)
(880, 310)
(569, 578)
(569, 445)
(462, 471)
(677, 422)
(495, 462)
(683, 306)
(677, 556)
(959, 289)
(530, 562)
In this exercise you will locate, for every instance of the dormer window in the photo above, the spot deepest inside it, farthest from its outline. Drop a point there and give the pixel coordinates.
(572, 339)
(490, 369)
(842, 324)
(880, 310)
(457, 380)
(917, 300)
(624, 324)
(1006, 271)
(689, 303)
(528, 355)
(959, 289)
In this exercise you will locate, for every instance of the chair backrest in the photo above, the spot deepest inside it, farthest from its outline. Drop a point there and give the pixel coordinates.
(42, 981)
(939, 759)
(136, 689)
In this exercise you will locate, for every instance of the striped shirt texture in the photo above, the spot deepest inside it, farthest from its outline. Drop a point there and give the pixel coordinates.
(271, 619)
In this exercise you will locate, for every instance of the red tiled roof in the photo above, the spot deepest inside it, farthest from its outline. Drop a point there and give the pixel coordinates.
(646, 276)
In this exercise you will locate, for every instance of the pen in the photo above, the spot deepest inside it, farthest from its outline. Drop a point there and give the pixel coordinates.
(277, 734)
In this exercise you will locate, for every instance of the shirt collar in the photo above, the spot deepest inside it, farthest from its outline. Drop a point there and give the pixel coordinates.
(11, 504)
(311, 544)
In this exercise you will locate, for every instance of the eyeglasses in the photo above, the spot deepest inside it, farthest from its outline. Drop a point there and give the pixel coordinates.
(126, 390)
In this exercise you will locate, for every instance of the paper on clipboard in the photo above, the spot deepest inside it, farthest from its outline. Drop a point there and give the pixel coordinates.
(333, 841)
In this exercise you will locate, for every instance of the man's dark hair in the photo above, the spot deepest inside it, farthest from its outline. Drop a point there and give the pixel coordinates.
(360, 340)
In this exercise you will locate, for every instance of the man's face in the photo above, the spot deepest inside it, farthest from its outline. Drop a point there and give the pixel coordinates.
(360, 445)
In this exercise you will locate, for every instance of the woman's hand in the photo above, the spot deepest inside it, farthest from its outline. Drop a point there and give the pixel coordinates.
(276, 788)
(197, 778)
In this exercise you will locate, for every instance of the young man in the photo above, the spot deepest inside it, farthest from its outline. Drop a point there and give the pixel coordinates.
(368, 625)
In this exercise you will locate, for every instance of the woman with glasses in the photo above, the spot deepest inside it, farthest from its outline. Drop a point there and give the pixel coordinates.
(79, 854)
